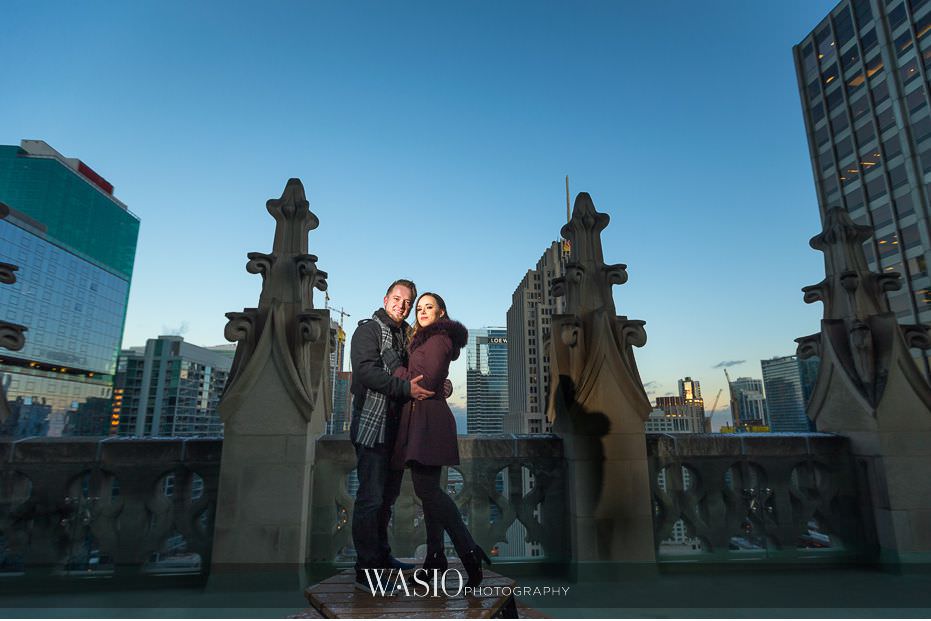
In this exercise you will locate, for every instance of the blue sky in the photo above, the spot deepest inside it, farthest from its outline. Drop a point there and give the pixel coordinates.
(433, 140)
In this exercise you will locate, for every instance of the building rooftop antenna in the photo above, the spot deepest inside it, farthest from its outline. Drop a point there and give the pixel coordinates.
(566, 247)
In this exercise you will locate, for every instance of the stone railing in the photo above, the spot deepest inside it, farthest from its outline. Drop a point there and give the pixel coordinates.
(751, 496)
(73, 506)
(146, 506)
(510, 489)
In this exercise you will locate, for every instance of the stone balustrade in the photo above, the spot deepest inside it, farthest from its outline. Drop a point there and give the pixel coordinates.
(120, 506)
(789, 497)
(146, 506)
(510, 489)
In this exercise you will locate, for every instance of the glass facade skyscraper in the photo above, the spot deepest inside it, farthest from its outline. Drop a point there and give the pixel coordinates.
(486, 380)
(788, 382)
(863, 78)
(748, 403)
(75, 245)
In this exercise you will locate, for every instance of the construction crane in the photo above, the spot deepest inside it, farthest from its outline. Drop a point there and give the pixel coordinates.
(342, 314)
(340, 334)
(716, 399)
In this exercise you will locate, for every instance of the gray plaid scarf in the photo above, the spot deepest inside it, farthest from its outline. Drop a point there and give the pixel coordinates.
(371, 429)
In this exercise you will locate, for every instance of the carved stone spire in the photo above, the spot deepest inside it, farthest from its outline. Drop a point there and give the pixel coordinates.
(276, 400)
(869, 388)
(284, 326)
(860, 342)
(597, 401)
(591, 346)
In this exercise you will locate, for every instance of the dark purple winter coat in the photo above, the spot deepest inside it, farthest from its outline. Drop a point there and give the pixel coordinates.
(427, 432)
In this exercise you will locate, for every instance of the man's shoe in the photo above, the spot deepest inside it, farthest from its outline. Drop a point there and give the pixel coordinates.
(393, 563)
(362, 583)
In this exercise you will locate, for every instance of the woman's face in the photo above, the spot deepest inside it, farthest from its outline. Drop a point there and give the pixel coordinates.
(428, 311)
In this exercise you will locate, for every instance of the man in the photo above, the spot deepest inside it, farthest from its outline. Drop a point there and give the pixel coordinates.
(379, 346)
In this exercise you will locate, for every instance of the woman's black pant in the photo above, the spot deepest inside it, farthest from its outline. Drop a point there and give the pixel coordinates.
(440, 513)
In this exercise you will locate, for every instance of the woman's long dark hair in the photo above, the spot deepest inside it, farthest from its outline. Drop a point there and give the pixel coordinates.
(441, 304)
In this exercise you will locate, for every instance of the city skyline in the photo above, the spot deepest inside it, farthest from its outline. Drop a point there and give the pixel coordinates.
(464, 122)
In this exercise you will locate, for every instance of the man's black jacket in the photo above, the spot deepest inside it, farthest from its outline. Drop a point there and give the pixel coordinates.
(367, 368)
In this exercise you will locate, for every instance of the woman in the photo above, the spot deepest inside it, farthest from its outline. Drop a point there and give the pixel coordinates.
(427, 435)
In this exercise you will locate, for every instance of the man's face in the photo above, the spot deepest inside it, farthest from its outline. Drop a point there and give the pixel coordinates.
(398, 303)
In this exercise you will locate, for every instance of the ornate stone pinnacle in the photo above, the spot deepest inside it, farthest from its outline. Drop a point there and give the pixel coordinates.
(588, 280)
(859, 335)
(284, 325)
(590, 344)
(12, 336)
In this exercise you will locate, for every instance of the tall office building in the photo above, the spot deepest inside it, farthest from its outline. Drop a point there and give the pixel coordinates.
(749, 403)
(169, 388)
(863, 79)
(528, 326)
(684, 413)
(486, 380)
(342, 403)
(788, 382)
(337, 351)
(75, 244)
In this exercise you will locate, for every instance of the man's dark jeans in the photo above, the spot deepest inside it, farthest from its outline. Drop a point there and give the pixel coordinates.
(379, 487)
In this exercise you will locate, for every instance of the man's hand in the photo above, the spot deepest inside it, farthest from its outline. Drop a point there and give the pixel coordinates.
(447, 389)
(418, 392)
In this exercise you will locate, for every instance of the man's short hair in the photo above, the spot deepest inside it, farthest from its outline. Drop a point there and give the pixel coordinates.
(404, 283)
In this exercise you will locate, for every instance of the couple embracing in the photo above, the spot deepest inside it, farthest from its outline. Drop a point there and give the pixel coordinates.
(400, 420)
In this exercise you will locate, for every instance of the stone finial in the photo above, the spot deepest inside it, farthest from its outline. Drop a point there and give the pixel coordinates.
(276, 401)
(597, 402)
(284, 327)
(860, 343)
(591, 346)
(870, 390)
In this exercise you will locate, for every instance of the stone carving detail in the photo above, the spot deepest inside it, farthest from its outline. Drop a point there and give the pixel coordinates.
(860, 340)
(60, 511)
(7, 275)
(475, 491)
(870, 389)
(285, 326)
(734, 497)
(277, 399)
(12, 335)
(597, 402)
(595, 345)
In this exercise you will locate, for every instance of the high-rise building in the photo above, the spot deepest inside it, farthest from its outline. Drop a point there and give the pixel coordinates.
(75, 244)
(747, 398)
(788, 382)
(684, 413)
(337, 350)
(660, 421)
(863, 79)
(528, 319)
(486, 380)
(169, 388)
(342, 403)
(528, 327)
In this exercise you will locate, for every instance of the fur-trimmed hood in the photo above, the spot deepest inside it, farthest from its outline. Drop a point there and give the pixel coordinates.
(457, 333)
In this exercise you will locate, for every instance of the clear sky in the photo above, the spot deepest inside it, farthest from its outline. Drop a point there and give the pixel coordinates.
(433, 140)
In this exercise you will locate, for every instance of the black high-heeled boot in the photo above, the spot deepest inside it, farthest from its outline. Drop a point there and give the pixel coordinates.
(435, 560)
(472, 561)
